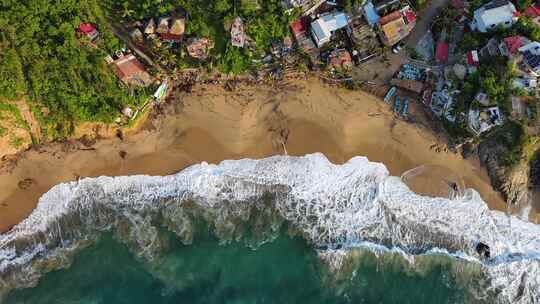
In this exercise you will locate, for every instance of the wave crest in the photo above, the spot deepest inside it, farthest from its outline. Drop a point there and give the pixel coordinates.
(338, 207)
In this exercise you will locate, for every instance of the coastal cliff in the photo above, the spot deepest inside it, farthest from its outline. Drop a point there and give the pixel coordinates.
(504, 154)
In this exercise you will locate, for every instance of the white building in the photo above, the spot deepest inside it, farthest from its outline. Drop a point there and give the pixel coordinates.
(531, 57)
(324, 26)
(482, 120)
(493, 14)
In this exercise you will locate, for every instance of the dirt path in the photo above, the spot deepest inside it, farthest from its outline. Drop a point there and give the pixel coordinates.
(424, 21)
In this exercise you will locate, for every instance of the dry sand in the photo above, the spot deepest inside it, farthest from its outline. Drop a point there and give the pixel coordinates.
(212, 124)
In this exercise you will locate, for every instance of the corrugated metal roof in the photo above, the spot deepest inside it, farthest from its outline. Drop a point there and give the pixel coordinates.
(371, 14)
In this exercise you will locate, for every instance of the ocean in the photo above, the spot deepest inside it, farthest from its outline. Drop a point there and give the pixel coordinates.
(285, 270)
(276, 230)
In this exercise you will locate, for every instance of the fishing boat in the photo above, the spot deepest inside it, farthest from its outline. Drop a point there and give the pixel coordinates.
(390, 94)
(396, 104)
(405, 109)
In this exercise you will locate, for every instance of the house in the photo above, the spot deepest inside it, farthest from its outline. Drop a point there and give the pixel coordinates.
(131, 71)
(531, 57)
(178, 26)
(408, 84)
(150, 27)
(493, 14)
(384, 6)
(299, 27)
(528, 84)
(163, 25)
(442, 104)
(88, 30)
(519, 108)
(441, 53)
(306, 6)
(482, 120)
(491, 48)
(136, 35)
(238, 37)
(482, 98)
(532, 11)
(510, 45)
(199, 47)
(300, 30)
(323, 28)
(472, 58)
(396, 25)
(340, 59)
(370, 13)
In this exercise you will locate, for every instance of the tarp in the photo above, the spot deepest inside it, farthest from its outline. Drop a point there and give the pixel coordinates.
(371, 14)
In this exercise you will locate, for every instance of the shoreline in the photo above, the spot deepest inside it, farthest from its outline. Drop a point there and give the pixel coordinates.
(213, 124)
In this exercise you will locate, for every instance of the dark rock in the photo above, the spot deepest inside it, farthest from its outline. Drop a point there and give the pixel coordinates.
(483, 250)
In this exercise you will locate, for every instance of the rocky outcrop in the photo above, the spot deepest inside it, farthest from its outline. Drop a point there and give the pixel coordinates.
(501, 153)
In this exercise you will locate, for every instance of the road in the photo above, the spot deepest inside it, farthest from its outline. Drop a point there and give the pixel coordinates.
(424, 21)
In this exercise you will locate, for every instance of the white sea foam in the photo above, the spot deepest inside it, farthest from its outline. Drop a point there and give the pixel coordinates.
(335, 206)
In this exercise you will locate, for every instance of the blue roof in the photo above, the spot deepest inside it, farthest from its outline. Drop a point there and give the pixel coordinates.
(335, 21)
(371, 14)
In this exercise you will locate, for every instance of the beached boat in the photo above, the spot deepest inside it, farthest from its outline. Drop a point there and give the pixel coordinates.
(405, 109)
(390, 94)
(396, 104)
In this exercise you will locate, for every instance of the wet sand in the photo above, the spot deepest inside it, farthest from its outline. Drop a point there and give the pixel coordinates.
(212, 124)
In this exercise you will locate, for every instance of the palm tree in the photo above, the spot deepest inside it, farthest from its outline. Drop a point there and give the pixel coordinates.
(127, 11)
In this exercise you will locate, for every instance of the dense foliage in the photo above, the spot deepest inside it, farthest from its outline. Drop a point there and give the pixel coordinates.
(514, 138)
(264, 21)
(63, 77)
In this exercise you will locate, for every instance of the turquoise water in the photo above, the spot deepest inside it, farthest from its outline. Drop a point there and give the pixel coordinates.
(286, 270)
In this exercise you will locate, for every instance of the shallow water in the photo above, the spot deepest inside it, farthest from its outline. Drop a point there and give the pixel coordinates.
(286, 270)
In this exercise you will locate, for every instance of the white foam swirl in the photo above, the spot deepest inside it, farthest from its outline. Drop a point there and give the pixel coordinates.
(333, 205)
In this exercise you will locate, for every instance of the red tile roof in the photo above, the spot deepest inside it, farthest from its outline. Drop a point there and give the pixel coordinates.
(442, 52)
(299, 27)
(170, 37)
(472, 58)
(86, 28)
(127, 67)
(411, 16)
(513, 43)
(533, 11)
(390, 17)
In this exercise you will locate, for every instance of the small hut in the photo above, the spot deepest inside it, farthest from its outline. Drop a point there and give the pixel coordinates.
(178, 26)
(150, 27)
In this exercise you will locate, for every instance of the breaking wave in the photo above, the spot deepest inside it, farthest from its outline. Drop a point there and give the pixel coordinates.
(343, 210)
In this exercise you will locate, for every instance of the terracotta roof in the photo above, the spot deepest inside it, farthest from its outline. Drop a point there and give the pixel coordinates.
(127, 67)
(170, 37)
(390, 17)
(442, 52)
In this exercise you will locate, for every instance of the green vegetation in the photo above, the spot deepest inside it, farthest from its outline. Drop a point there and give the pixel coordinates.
(264, 22)
(16, 142)
(514, 138)
(13, 114)
(64, 79)
(3, 131)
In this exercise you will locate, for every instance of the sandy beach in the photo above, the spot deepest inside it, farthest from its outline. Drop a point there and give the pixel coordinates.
(212, 124)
